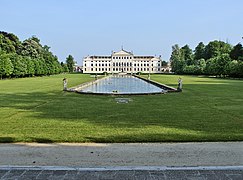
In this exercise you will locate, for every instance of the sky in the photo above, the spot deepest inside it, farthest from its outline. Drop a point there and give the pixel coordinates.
(146, 27)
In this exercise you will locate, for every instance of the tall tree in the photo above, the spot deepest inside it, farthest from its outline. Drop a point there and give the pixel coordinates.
(32, 48)
(199, 52)
(6, 66)
(70, 63)
(237, 52)
(19, 64)
(187, 54)
(176, 60)
(215, 48)
(6, 44)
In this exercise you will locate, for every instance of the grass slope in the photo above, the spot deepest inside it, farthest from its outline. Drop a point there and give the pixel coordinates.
(37, 110)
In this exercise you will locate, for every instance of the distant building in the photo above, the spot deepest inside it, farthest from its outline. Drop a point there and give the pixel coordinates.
(122, 61)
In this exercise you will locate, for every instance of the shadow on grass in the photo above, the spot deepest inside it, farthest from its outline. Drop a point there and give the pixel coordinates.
(31, 139)
(189, 111)
(7, 140)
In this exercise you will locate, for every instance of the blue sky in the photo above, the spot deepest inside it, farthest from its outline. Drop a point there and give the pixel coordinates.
(146, 27)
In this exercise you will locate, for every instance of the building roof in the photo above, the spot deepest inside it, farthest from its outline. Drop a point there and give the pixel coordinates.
(122, 52)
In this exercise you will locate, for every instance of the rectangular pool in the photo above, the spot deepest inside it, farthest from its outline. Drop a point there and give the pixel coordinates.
(121, 84)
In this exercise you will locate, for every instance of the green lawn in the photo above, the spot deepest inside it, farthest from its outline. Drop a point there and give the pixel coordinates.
(37, 110)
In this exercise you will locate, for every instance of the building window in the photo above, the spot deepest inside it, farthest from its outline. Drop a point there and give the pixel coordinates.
(91, 64)
(91, 69)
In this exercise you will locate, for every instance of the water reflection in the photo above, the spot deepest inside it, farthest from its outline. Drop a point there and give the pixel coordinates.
(122, 84)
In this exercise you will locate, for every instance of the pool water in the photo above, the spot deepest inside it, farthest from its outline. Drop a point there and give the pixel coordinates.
(122, 84)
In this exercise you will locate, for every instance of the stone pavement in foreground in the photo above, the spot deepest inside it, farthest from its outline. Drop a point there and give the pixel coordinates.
(139, 173)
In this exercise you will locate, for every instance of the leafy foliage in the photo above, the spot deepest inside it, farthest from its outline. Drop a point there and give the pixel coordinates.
(6, 66)
(27, 58)
(70, 63)
(216, 58)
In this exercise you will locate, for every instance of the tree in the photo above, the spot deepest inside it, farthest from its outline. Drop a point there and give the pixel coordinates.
(30, 66)
(211, 66)
(187, 54)
(176, 59)
(237, 52)
(199, 52)
(27, 58)
(70, 63)
(6, 66)
(20, 66)
(218, 65)
(222, 62)
(216, 48)
(6, 44)
(64, 67)
(232, 68)
(32, 48)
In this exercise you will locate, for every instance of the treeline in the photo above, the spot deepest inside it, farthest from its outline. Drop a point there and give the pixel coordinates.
(217, 58)
(27, 58)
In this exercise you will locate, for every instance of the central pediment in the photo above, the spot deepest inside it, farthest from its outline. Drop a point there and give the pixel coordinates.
(122, 53)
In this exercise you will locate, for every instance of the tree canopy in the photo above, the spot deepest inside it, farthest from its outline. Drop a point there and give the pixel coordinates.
(217, 58)
(70, 63)
(27, 58)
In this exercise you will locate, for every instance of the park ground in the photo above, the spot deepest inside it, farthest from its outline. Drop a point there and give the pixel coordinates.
(37, 110)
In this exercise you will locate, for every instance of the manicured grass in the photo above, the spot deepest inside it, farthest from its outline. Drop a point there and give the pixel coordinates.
(37, 110)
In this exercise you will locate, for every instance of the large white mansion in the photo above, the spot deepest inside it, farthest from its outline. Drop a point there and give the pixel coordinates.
(122, 61)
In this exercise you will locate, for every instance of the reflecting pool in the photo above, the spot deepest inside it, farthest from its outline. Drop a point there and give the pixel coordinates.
(121, 84)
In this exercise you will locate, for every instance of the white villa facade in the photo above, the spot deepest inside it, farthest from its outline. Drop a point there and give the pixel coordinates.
(122, 61)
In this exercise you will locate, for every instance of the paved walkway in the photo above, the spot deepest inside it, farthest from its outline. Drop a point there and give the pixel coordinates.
(133, 154)
(122, 173)
(122, 161)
